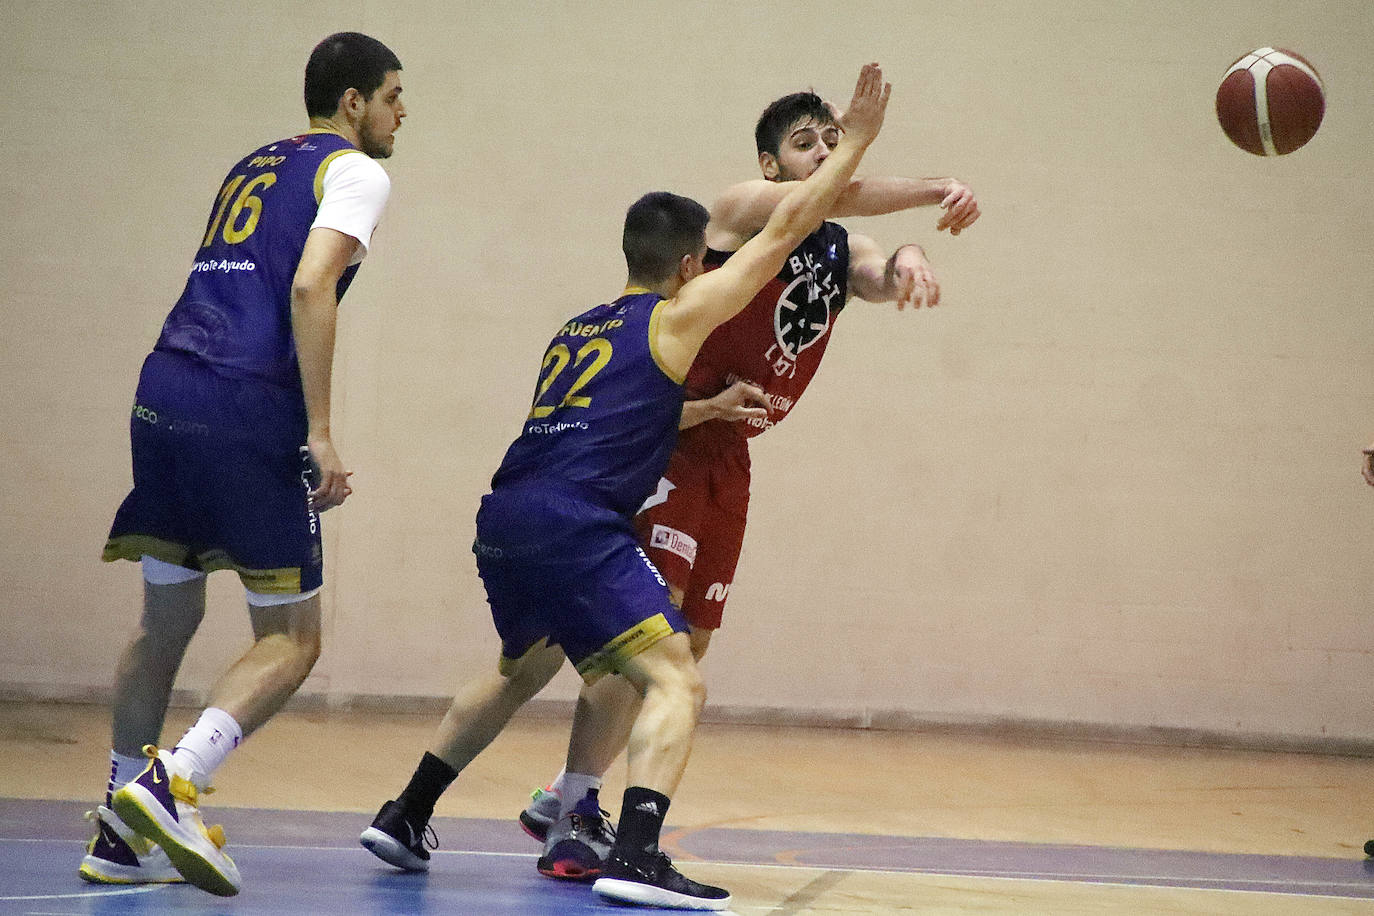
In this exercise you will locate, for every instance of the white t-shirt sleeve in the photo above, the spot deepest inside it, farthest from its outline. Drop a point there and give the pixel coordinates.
(355, 189)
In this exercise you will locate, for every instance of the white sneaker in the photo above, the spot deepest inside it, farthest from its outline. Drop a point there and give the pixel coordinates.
(161, 805)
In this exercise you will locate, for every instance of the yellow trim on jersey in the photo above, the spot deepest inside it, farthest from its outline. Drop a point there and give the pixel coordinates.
(136, 546)
(324, 164)
(610, 657)
(653, 344)
(634, 291)
(285, 580)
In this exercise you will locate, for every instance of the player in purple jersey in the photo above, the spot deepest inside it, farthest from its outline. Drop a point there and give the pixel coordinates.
(555, 546)
(233, 458)
(747, 378)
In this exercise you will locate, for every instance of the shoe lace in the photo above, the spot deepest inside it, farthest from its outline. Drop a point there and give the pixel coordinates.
(599, 823)
(654, 864)
(604, 825)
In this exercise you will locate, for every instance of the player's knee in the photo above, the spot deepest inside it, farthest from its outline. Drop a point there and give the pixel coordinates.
(534, 671)
(170, 633)
(173, 602)
(292, 624)
(301, 650)
(684, 682)
(308, 645)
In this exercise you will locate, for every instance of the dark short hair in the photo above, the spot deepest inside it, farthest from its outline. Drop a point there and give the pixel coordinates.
(344, 61)
(785, 112)
(660, 229)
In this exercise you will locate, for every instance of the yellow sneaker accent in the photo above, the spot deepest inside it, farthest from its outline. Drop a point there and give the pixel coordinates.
(184, 790)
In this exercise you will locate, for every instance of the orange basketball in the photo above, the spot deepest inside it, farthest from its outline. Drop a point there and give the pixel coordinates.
(1270, 102)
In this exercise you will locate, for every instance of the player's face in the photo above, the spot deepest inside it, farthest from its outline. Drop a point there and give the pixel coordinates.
(382, 117)
(804, 148)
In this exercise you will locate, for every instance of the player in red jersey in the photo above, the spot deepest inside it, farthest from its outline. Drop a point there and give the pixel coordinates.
(746, 379)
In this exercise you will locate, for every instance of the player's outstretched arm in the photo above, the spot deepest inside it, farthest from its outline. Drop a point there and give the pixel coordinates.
(905, 278)
(716, 296)
(744, 208)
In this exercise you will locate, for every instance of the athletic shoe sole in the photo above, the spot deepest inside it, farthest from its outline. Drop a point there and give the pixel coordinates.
(96, 870)
(391, 851)
(537, 829)
(567, 868)
(622, 891)
(199, 862)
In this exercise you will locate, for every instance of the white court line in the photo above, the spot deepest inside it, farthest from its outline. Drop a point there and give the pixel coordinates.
(1165, 882)
(121, 892)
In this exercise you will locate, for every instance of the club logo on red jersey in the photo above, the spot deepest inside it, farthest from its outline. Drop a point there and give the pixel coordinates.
(802, 316)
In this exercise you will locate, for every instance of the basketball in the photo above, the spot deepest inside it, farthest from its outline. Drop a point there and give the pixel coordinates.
(1270, 102)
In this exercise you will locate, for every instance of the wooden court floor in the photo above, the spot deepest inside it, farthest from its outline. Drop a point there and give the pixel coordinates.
(1082, 810)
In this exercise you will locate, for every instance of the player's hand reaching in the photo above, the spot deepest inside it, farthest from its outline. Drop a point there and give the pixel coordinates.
(864, 116)
(331, 480)
(741, 401)
(960, 206)
(914, 278)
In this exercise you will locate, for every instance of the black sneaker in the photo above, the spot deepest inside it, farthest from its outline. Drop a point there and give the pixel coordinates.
(651, 880)
(397, 840)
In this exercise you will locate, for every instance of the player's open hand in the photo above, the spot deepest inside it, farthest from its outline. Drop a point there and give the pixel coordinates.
(914, 279)
(741, 401)
(331, 480)
(960, 206)
(864, 116)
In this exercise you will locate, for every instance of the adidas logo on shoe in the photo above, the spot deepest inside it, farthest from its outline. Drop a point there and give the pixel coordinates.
(648, 807)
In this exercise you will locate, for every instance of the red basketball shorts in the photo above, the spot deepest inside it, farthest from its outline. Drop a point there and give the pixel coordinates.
(693, 526)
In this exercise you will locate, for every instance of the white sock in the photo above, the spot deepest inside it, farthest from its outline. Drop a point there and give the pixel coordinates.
(574, 786)
(203, 748)
(123, 770)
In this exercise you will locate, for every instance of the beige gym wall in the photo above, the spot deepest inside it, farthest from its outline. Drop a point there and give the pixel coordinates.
(1113, 481)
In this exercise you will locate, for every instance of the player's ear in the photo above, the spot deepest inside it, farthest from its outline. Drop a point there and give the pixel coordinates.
(352, 102)
(687, 268)
(769, 164)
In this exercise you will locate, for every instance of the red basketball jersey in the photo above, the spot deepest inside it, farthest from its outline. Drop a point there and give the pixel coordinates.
(778, 340)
